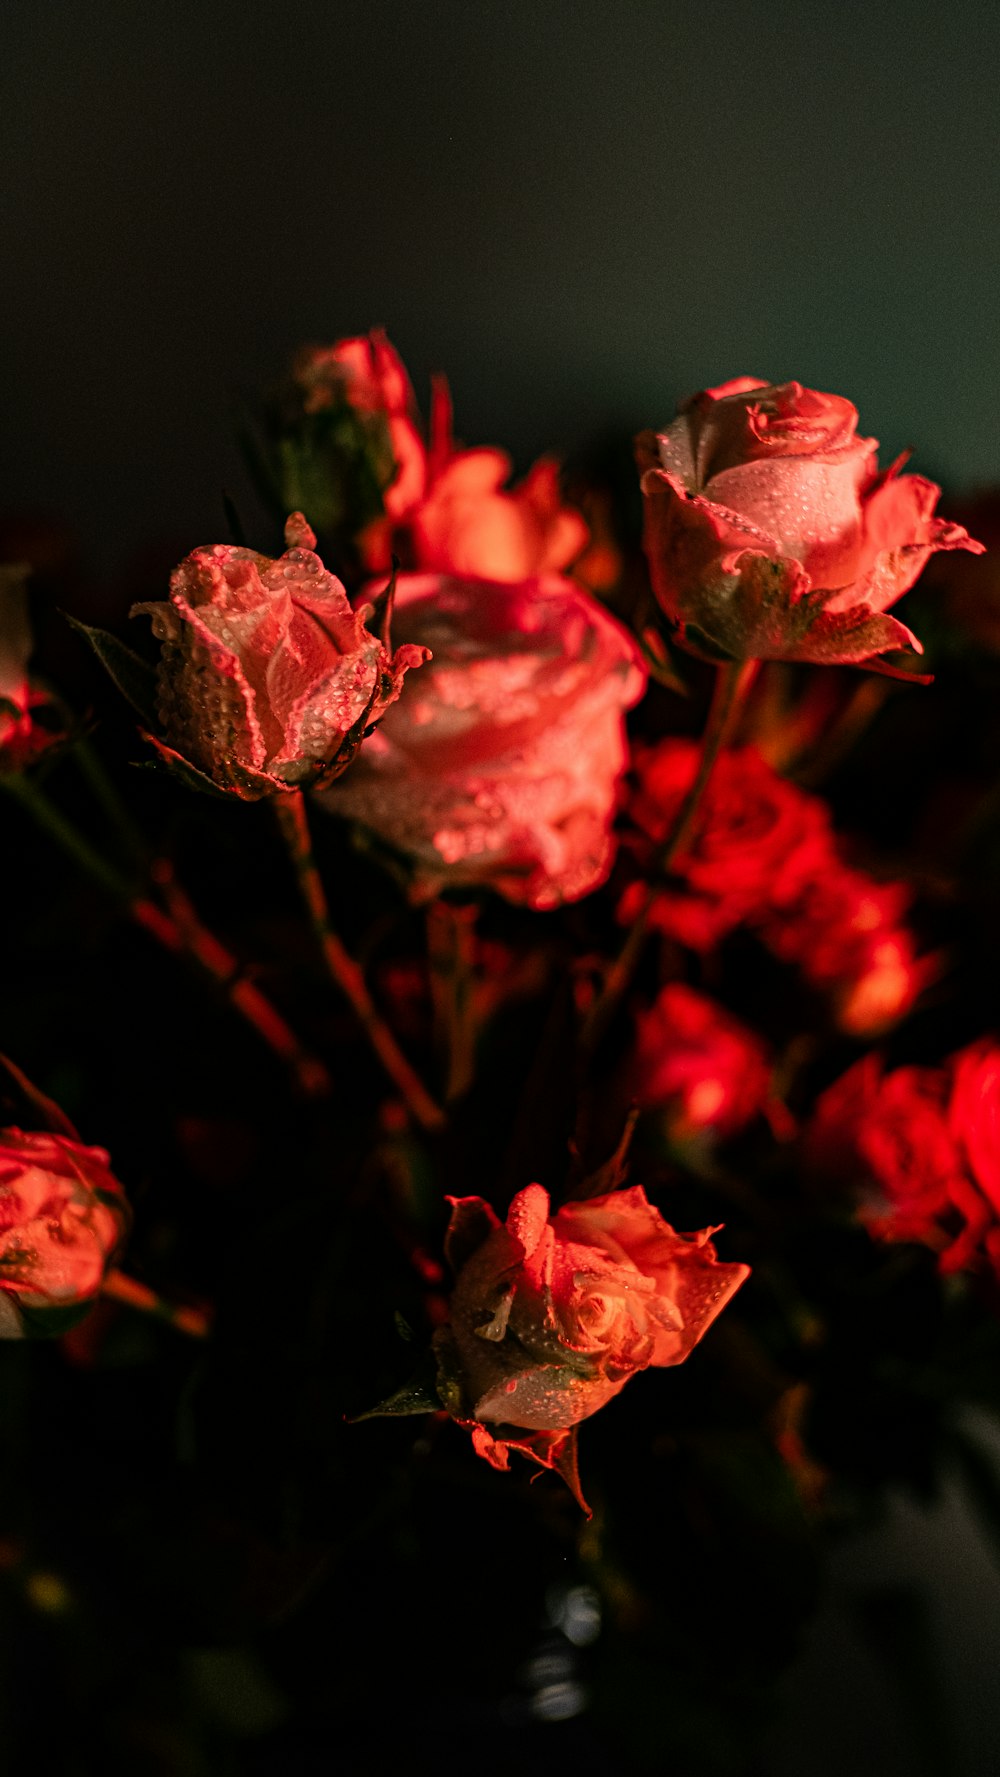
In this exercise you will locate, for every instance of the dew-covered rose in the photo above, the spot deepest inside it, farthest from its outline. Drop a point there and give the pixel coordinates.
(500, 767)
(771, 533)
(551, 1315)
(697, 1064)
(470, 524)
(267, 679)
(62, 1215)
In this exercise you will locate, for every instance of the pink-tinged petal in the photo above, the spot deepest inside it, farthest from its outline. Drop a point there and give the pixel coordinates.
(550, 1450)
(690, 542)
(737, 385)
(811, 504)
(701, 1286)
(527, 1217)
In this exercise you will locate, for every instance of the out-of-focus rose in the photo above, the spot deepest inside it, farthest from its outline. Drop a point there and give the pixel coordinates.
(501, 770)
(764, 854)
(924, 1138)
(550, 1317)
(771, 533)
(368, 373)
(62, 1215)
(468, 525)
(267, 679)
(974, 1115)
(699, 1065)
(757, 842)
(22, 737)
(846, 934)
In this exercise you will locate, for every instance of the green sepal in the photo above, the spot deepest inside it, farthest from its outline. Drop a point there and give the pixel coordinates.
(51, 1323)
(134, 677)
(189, 775)
(419, 1395)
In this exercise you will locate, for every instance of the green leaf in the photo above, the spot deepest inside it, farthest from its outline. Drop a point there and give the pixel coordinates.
(134, 677)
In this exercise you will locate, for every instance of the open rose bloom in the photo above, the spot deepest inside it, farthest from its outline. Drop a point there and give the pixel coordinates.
(551, 1316)
(500, 768)
(772, 534)
(62, 1216)
(267, 679)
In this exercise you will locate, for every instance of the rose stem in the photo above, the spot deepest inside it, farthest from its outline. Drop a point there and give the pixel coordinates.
(732, 685)
(184, 938)
(450, 947)
(343, 970)
(121, 1288)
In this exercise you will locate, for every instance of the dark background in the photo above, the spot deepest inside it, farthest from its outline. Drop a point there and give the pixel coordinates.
(581, 211)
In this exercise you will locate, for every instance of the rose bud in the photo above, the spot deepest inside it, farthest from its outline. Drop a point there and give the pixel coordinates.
(267, 679)
(771, 533)
(704, 1070)
(62, 1216)
(550, 1317)
(368, 374)
(502, 770)
(467, 524)
(760, 840)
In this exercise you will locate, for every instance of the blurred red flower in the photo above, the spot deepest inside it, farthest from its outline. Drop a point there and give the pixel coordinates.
(926, 1138)
(764, 854)
(698, 1064)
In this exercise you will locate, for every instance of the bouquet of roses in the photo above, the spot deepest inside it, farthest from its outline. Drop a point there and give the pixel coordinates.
(613, 902)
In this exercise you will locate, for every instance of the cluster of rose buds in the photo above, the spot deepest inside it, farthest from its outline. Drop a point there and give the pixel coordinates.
(764, 855)
(924, 1141)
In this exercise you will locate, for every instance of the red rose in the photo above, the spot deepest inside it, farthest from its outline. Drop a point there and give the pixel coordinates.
(503, 769)
(468, 524)
(62, 1215)
(550, 1317)
(697, 1063)
(771, 533)
(267, 677)
(22, 737)
(920, 1136)
(844, 931)
(758, 840)
(974, 1115)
